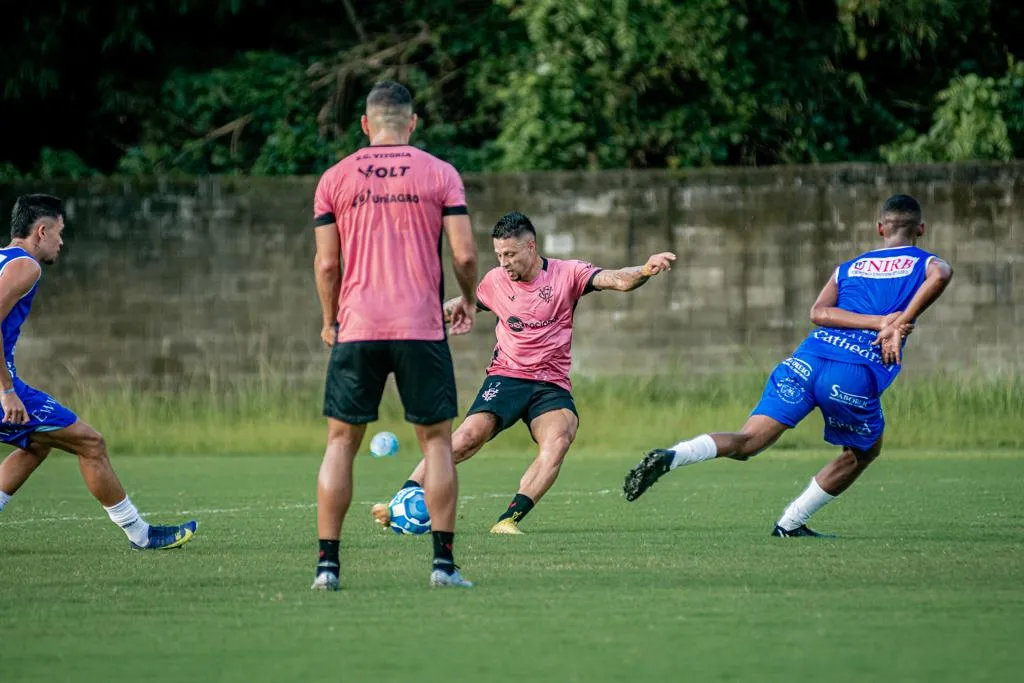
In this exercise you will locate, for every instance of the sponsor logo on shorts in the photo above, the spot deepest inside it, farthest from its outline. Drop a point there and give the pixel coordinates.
(798, 366)
(861, 428)
(518, 324)
(883, 268)
(490, 392)
(867, 352)
(839, 396)
(790, 391)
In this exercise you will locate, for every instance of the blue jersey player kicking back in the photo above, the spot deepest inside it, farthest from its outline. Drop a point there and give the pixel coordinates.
(863, 315)
(33, 422)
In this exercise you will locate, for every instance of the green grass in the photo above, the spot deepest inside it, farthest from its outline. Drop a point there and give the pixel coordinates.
(685, 584)
(273, 417)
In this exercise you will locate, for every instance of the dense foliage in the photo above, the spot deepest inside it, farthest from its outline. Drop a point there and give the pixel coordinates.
(250, 86)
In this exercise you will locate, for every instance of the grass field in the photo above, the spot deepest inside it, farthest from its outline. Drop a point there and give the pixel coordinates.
(926, 583)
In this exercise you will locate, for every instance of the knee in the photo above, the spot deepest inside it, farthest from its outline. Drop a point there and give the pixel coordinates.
(92, 446)
(467, 442)
(344, 434)
(555, 448)
(747, 447)
(39, 452)
(865, 458)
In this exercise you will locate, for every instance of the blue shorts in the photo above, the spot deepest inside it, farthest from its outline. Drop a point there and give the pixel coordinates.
(846, 394)
(44, 415)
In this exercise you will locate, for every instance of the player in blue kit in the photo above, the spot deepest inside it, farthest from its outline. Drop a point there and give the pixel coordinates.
(35, 422)
(863, 315)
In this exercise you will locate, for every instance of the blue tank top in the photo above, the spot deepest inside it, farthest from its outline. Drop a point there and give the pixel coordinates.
(11, 326)
(878, 282)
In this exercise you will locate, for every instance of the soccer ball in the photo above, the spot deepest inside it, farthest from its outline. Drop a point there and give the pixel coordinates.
(408, 511)
(383, 444)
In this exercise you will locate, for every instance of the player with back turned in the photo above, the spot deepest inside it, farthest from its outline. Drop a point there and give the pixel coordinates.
(863, 314)
(381, 212)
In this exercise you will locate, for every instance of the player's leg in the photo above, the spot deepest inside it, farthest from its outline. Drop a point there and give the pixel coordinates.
(554, 431)
(356, 373)
(426, 383)
(467, 440)
(17, 468)
(334, 482)
(851, 406)
(787, 398)
(833, 479)
(88, 445)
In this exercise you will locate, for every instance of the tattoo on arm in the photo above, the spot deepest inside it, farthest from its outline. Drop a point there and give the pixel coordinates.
(621, 280)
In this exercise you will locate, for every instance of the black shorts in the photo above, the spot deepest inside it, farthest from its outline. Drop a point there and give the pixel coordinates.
(510, 399)
(357, 371)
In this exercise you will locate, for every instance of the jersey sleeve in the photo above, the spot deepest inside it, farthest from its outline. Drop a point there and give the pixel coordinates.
(323, 203)
(453, 195)
(484, 292)
(583, 275)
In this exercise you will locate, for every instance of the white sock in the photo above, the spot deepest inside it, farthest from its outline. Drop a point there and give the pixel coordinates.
(4, 499)
(126, 516)
(806, 504)
(696, 449)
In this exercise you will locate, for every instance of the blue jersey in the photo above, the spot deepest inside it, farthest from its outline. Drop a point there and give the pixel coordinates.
(878, 282)
(11, 326)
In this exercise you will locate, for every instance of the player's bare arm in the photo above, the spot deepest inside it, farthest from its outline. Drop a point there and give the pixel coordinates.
(459, 231)
(327, 268)
(15, 282)
(825, 313)
(628, 279)
(937, 277)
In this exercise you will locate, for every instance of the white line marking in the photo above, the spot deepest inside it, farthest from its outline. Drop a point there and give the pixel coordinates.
(197, 512)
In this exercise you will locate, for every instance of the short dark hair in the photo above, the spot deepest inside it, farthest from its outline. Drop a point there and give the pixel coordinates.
(902, 212)
(389, 94)
(513, 224)
(29, 208)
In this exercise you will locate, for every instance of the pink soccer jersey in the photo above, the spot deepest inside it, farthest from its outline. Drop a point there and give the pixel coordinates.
(388, 202)
(535, 319)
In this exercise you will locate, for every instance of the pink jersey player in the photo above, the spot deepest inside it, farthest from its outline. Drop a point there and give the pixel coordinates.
(380, 214)
(528, 378)
(535, 319)
(388, 202)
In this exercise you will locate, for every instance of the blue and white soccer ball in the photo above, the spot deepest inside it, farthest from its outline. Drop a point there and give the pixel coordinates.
(383, 444)
(409, 512)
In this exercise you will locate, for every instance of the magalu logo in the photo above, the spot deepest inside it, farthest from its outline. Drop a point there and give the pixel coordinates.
(883, 268)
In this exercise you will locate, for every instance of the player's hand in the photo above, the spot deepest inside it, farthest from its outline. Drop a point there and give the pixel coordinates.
(658, 263)
(905, 328)
(329, 334)
(890, 338)
(14, 409)
(462, 317)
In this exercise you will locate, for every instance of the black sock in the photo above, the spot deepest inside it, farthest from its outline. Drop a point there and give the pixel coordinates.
(518, 508)
(411, 484)
(443, 542)
(329, 561)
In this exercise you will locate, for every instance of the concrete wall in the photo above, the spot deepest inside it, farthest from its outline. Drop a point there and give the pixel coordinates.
(177, 283)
